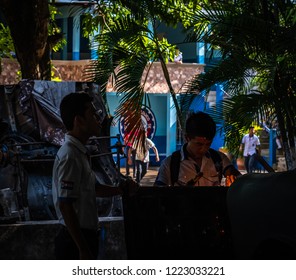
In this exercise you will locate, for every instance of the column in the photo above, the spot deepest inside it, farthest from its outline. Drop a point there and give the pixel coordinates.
(94, 45)
(200, 53)
(171, 126)
(65, 31)
(76, 38)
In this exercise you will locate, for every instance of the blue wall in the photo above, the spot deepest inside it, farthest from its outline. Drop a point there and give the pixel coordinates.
(165, 115)
(199, 104)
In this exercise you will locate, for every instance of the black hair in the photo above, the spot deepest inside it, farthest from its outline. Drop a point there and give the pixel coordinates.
(72, 105)
(200, 124)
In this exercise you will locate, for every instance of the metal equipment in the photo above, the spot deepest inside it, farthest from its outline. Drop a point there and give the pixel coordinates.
(31, 132)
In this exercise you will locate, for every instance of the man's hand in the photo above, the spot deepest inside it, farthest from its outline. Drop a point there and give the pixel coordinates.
(229, 180)
(230, 175)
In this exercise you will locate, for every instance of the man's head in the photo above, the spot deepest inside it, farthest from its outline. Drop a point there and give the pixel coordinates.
(200, 129)
(77, 111)
(200, 124)
(251, 130)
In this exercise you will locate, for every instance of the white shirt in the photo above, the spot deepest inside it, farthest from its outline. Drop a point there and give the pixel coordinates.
(250, 144)
(74, 180)
(178, 57)
(140, 155)
(188, 171)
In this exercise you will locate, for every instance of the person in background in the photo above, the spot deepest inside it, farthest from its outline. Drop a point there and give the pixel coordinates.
(178, 56)
(74, 187)
(250, 145)
(143, 157)
(196, 164)
(130, 154)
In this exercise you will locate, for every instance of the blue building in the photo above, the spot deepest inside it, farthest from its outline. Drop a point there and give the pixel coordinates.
(167, 136)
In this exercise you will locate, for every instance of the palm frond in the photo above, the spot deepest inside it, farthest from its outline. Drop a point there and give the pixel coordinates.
(233, 72)
(123, 58)
(236, 114)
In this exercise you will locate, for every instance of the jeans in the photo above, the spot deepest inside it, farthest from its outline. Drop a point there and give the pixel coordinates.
(127, 166)
(141, 168)
(250, 163)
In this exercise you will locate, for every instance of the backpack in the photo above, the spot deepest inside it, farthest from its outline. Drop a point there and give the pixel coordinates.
(176, 159)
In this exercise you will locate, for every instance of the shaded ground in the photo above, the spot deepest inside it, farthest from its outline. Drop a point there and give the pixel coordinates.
(149, 178)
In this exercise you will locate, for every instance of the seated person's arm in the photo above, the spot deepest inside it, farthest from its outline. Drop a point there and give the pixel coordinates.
(231, 171)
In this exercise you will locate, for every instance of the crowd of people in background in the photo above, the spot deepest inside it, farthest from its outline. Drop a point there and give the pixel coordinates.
(196, 164)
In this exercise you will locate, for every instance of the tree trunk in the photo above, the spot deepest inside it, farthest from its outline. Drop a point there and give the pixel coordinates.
(45, 65)
(28, 22)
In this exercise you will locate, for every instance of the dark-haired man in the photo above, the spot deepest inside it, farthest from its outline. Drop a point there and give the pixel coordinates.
(74, 183)
(250, 144)
(196, 164)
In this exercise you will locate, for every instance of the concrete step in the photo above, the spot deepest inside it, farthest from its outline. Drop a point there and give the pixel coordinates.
(264, 145)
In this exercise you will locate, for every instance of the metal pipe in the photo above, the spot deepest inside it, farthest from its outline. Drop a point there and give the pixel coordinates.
(57, 2)
(103, 137)
(103, 154)
(37, 160)
(28, 144)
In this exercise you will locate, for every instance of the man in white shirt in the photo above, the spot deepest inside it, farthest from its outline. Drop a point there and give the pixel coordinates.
(250, 143)
(74, 186)
(196, 164)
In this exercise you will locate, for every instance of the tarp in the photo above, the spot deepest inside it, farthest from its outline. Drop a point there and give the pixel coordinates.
(34, 106)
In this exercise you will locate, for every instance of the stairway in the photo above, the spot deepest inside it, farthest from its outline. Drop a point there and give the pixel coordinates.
(280, 164)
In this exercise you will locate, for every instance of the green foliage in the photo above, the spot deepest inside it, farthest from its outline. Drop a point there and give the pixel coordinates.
(104, 15)
(257, 42)
(6, 43)
(128, 45)
(255, 38)
(54, 30)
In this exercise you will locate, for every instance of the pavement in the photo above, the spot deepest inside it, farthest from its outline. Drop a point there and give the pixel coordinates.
(150, 177)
